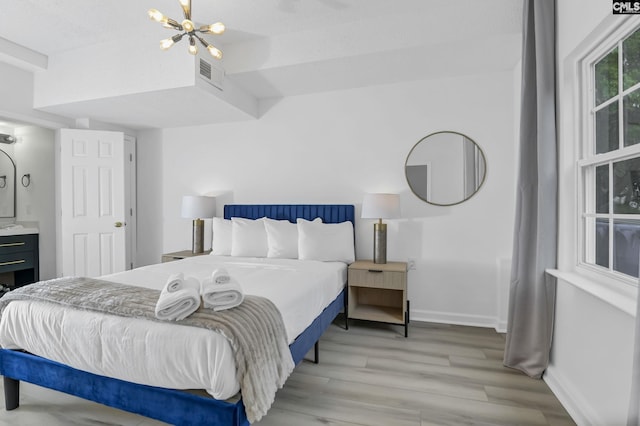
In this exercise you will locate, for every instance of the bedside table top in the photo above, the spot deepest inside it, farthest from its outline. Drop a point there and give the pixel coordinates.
(389, 266)
(186, 253)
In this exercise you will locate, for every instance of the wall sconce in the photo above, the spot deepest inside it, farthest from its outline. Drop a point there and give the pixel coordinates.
(26, 180)
(3, 181)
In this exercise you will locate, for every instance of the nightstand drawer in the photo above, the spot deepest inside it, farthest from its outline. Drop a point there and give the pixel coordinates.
(377, 279)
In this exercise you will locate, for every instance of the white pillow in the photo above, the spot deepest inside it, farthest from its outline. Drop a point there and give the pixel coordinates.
(282, 238)
(326, 241)
(221, 241)
(248, 237)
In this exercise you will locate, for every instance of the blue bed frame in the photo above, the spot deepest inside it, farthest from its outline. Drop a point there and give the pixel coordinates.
(170, 405)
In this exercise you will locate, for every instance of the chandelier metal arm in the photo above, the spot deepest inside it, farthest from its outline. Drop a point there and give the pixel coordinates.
(204, 42)
(172, 24)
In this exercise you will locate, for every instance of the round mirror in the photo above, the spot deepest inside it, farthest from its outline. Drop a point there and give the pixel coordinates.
(445, 168)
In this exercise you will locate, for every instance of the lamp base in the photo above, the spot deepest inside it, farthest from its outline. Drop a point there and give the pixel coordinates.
(198, 236)
(380, 242)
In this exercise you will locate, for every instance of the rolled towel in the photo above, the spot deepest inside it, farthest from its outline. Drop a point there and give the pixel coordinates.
(177, 304)
(221, 276)
(221, 296)
(175, 282)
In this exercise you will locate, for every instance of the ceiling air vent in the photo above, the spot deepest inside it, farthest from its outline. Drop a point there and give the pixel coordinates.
(211, 73)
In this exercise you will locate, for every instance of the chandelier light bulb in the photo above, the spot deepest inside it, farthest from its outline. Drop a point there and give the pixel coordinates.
(193, 48)
(187, 25)
(216, 53)
(156, 15)
(166, 43)
(186, 8)
(217, 28)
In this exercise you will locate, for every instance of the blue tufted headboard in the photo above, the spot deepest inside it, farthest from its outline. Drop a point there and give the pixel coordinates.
(330, 213)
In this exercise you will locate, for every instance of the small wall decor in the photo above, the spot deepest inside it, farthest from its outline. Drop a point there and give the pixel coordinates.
(26, 180)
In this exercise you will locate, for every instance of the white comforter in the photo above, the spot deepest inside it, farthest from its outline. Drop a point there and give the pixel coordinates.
(166, 354)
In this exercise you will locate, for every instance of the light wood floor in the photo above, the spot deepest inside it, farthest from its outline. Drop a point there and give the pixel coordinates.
(369, 375)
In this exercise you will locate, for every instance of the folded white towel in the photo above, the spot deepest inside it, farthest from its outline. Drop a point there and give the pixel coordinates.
(221, 276)
(179, 298)
(221, 296)
(175, 282)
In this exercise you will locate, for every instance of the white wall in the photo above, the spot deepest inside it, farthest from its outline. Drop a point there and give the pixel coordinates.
(149, 197)
(16, 99)
(590, 368)
(34, 154)
(334, 147)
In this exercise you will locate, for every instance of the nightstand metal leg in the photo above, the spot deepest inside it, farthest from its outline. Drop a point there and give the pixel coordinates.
(316, 353)
(406, 321)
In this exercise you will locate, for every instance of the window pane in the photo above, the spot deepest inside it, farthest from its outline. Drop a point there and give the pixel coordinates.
(626, 246)
(626, 186)
(602, 189)
(631, 60)
(601, 230)
(607, 129)
(632, 118)
(607, 77)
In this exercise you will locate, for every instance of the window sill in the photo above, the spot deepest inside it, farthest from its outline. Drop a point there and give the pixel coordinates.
(615, 295)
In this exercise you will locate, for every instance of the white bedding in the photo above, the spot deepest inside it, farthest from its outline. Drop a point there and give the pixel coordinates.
(166, 354)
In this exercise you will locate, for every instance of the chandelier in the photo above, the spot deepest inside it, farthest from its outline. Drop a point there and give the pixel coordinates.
(187, 28)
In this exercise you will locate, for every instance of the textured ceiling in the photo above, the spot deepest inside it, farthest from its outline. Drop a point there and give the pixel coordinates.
(276, 48)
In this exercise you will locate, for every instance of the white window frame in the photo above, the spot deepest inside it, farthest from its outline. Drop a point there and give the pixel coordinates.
(586, 158)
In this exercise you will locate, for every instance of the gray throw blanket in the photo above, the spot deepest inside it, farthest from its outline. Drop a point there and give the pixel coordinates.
(255, 328)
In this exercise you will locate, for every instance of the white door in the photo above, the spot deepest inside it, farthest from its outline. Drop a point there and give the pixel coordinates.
(93, 203)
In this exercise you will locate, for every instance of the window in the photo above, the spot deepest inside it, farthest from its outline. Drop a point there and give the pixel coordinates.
(610, 163)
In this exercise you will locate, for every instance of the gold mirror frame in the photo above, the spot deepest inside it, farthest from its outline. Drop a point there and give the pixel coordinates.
(420, 175)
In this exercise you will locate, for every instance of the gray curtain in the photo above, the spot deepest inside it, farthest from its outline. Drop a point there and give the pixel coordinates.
(634, 402)
(532, 292)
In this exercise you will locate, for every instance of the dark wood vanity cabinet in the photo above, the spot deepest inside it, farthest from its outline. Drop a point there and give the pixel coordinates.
(19, 255)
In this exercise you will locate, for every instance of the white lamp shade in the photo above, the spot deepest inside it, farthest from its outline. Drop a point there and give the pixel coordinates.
(380, 206)
(197, 206)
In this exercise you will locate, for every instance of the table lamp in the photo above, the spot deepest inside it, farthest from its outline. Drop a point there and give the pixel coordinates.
(380, 206)
(196, 207)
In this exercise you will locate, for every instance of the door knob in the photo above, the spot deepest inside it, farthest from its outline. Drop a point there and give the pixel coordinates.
(119, 224)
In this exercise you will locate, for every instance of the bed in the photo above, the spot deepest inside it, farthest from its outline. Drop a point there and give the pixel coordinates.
(152, 401)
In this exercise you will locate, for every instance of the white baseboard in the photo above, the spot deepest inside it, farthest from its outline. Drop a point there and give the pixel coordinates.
(501, 327)
(458, 319)
(579, 410)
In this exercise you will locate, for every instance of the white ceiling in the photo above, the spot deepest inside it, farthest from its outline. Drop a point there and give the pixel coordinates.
(276, 48)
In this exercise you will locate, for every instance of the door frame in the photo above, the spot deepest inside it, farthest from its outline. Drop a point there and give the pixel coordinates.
(130, 201)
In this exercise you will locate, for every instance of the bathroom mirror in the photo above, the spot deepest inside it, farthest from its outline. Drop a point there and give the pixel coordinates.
(445, 168)
(7, 185)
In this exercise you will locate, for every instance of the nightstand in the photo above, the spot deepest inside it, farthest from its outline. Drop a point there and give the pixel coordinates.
(378, 292)
(177, 255)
